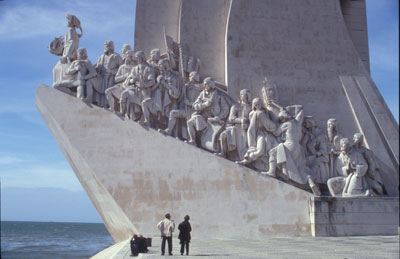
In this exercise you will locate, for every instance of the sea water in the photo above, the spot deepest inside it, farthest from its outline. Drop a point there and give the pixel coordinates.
(52, 239)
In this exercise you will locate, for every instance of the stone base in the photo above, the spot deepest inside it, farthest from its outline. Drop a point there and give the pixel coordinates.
(354, 216)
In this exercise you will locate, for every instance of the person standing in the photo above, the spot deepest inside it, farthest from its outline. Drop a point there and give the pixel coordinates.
(166, 227)
(184, 234)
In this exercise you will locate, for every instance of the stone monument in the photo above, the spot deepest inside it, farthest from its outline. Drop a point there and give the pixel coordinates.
(308, 148)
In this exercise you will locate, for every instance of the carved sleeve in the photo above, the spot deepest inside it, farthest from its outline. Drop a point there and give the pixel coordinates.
(268, 124)
(150, 79)
(91, 71)
(72, 68)
(233, 115)
(119, 77)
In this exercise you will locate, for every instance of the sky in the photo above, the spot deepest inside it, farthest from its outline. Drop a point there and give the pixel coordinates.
(37, 182)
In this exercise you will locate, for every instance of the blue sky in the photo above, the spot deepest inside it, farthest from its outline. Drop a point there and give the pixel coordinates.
(37, 182)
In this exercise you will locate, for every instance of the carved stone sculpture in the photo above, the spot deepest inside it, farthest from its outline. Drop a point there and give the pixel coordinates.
(351, 168)
(333, 143)
(315, 147)
(66, 47)
(164, 97)
(234, 137)
(372, 176)
(259, 137)
(113, 94)
(83, 81)
(107, 67)
(289, 156)
(138, 86)
(71, 40)
(211, 110)
(125, 52)
(270, 95)
(154, 58)
(191, 91)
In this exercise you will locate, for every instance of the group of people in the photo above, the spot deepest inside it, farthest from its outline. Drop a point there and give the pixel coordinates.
(167, 227)
(164, 93)
(138, 245)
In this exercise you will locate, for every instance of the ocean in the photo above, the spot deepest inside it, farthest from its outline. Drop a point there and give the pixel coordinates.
(52, 239)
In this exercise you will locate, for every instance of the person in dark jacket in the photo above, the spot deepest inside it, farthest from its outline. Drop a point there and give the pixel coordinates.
(142, 244)
(134, 245)
(184, 234)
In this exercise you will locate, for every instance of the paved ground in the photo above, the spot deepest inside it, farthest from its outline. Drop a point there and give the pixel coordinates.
(301, 247)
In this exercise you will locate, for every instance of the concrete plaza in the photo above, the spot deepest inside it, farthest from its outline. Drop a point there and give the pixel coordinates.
(275, 247)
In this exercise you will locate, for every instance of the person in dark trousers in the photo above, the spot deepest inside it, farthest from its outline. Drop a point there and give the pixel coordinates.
(166, 227)
(184, 234)
(134, 245)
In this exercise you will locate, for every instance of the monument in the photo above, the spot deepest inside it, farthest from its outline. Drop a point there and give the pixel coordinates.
(254, 117)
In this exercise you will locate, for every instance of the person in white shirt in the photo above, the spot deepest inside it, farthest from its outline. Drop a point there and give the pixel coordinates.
(166, 227)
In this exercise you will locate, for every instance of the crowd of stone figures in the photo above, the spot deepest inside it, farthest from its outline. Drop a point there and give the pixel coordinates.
(165, 93)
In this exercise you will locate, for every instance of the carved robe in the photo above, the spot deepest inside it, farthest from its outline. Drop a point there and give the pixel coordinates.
(351, 168)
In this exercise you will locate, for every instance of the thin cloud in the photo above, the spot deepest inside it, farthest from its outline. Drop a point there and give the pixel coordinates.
(11, 160)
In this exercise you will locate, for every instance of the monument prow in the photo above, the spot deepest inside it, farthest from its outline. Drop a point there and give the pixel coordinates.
(133, 175)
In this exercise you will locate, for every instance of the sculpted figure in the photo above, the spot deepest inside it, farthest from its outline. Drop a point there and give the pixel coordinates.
(71, 39)
(83, 78)
(234, 137)
(315, 147)
(289, 156)
(351, 168)
(138, 87)
(191, 91)
(66, 47)
(372, 176)
(107, 66)
(270, 95)
(154, 58)
(333, 143)
(113, 94)
(211, 108)
(126, 51)
(164, 98)
(259, 136)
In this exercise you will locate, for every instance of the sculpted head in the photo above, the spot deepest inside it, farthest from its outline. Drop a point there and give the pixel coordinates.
(244, 95)
(140, 57)
(125, 49)
(155, 55)
(256, 104)
(269, 91)
(209, 83)
(129, 57)
(309, 122)
(163, 65)
(73, 21)
(344, 144)
(331, 124)
(194, 77)
(284, 115)
(108, 47)
(82, 54)
(358, 139)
